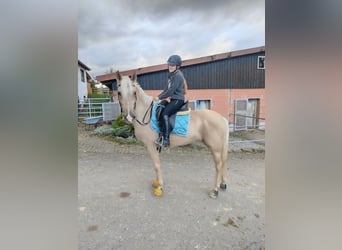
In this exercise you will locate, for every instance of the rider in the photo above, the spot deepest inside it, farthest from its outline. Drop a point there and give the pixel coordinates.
(174, 91)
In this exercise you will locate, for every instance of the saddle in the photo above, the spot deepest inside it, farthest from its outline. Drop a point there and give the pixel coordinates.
(172, 118)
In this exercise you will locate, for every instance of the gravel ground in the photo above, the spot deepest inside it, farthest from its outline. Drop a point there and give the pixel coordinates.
(117, 208)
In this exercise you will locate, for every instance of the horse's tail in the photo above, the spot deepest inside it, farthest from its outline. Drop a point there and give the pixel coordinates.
(224, 153)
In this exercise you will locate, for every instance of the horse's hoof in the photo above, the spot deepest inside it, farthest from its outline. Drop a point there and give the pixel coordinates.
(213, 194)
(223, 186)
(158, 191)
(155, 184)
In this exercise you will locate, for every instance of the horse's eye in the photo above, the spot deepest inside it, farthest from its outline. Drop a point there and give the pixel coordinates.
(119, 93)
(135, 93)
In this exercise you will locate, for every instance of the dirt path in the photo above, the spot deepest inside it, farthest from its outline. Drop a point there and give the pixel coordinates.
(119, 211)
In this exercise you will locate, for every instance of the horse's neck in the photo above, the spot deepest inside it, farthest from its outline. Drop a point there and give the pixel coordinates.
(143, 103)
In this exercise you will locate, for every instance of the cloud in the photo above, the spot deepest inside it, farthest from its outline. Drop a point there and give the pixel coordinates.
(131, 34)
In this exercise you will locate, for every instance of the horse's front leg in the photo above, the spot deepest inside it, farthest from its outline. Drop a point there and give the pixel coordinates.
(158, 181)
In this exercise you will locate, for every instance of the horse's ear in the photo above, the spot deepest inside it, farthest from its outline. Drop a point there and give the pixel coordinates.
(134, 77)
(118, 76)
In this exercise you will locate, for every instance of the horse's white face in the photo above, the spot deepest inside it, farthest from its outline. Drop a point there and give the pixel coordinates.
(127, 96)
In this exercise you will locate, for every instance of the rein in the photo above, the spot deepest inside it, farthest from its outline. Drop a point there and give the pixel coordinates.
(143, 123)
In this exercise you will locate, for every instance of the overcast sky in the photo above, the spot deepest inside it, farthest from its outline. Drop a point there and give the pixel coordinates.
(128, 34)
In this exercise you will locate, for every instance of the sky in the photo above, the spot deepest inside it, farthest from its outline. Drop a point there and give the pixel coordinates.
(129, 34)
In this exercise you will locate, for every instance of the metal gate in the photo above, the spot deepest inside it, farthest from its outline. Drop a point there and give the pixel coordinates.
(246, 114)
(91, 107)
(110, 110)
(240, 121)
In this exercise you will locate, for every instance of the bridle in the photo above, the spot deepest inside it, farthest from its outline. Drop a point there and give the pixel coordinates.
(143, 122)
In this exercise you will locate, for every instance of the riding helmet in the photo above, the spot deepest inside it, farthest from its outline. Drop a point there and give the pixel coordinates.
(175, 60)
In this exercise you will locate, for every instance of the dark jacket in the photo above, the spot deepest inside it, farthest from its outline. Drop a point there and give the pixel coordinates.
(175, 86)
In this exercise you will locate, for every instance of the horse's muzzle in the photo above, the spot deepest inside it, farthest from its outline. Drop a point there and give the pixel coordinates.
(130, 117)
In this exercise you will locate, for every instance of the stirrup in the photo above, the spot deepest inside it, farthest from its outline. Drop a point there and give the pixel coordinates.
(159, 141)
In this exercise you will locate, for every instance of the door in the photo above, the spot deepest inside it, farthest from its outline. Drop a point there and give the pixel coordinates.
(253, 113)
(241, 107)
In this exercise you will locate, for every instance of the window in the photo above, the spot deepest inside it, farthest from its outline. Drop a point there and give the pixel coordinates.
(82, 75)
(261, 62)
(199, 104)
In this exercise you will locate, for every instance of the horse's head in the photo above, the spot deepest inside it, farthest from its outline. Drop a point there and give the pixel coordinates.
(127, 95)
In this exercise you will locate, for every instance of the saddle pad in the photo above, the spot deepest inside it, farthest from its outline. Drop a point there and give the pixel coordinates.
(181, 123)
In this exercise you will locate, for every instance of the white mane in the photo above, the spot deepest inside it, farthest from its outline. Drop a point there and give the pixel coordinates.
(142, 95)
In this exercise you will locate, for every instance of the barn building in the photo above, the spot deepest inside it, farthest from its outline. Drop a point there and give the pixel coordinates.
(232, 84)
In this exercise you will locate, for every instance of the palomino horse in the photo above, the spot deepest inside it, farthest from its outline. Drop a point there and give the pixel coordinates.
(205, 125)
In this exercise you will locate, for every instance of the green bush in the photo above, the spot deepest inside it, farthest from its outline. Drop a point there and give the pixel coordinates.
(124, 131)
(122, 128)
(119, 122)
(103, 131)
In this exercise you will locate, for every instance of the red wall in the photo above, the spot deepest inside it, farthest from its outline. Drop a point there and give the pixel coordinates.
(222, 100)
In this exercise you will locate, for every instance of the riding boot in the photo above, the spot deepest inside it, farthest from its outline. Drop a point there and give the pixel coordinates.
(159, 140)
(166, 135)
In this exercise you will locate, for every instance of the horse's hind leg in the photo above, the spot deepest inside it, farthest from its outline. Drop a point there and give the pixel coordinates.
(158, 181)
(224, 158)
(218, 167)
(223, 184)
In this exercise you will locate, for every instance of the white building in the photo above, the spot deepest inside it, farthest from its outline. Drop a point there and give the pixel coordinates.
(82, 81)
